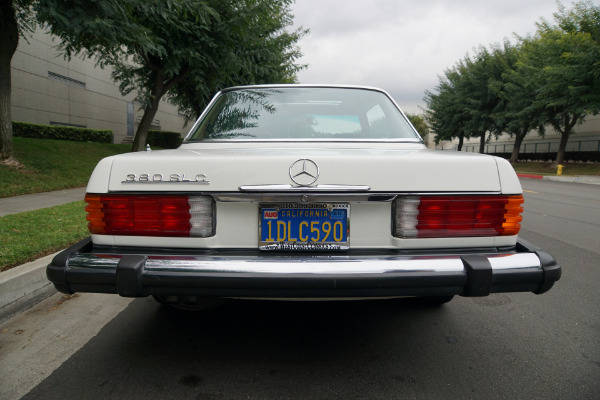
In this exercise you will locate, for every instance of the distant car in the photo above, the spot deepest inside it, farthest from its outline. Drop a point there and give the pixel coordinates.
(303, 192)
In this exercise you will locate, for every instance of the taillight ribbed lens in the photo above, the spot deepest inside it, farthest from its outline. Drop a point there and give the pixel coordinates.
(150, 215)
(457, 216)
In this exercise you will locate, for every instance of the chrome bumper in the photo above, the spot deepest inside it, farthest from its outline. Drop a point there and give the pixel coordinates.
(83, 268)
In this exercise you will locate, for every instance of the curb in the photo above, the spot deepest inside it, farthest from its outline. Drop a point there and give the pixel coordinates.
(24, 286)
(531, 176)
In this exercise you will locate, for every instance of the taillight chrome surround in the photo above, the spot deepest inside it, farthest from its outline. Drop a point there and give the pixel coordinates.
(433, 216)
(150, 215)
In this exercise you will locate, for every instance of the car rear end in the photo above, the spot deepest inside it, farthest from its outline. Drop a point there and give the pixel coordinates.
(329, 213)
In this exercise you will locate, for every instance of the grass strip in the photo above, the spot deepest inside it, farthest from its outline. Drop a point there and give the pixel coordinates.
(569, 169)
(53, 165)
(29, 235)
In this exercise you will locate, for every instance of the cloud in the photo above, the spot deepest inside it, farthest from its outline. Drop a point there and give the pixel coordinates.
(403, 46)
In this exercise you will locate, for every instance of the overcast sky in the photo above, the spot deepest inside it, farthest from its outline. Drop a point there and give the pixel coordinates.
(402, 46)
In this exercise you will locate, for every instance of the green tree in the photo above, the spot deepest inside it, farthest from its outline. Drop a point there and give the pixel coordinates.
(515, 113)
(268, 55)
(445, 113)
(563, 61)
(16, 19)
(153, 46)
(418, 121)
(481, 101)
(583, 17)
(550, 79)
(465, 103)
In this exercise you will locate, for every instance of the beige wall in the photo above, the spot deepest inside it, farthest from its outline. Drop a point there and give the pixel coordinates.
(39, 96)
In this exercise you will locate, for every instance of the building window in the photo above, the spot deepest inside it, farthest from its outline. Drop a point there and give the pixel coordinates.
(66, 79)
(154, 126)
(66, 124)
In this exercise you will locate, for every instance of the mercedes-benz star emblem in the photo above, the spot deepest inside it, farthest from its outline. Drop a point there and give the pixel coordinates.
(304, 172)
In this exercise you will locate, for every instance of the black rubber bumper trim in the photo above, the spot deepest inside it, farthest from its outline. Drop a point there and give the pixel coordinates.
(129, 273)
(551, 269)
(56, 272)
(479, 275)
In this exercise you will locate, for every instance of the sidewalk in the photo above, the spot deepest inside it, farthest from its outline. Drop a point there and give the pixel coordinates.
(26, 285)
(28, 202)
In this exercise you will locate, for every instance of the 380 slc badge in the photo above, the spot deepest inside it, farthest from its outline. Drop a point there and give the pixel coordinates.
(172, 178)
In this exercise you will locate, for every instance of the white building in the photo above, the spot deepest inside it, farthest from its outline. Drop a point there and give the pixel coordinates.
(585, 138)
(47, 89)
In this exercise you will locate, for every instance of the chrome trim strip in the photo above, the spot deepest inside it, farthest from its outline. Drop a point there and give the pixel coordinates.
(314, 140)
(302, 265)
(302, 85)
(311, 196)
(204, 112)
(501, 262)
(287, 194)
(330, 188)
(93, 261)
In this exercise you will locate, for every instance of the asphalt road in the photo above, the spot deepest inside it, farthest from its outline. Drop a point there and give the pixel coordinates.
(497, 347)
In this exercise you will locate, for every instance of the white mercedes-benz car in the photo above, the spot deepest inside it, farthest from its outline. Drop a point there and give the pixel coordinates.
(303, 192)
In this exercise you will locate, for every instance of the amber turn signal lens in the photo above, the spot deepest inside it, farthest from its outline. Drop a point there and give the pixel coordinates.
(95, 216)
(513, 215)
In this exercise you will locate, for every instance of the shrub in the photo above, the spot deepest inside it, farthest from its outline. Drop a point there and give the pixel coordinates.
(164, 139)
(57, 132)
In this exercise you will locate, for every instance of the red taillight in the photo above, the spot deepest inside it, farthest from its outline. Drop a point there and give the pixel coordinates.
(147, 215)
(457, 216)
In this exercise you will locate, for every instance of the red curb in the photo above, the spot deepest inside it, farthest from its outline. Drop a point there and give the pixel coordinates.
(530, 176)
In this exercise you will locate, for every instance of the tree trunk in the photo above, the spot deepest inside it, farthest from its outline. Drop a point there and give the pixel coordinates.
(564, 138)
(461, 140)
(560, 156)
(514, 157)
(9, 39)
(482, 143)
(139, 143)
(157, 92)
(159, 89)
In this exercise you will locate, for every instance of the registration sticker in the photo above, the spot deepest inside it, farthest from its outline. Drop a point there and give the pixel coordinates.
(299, 226)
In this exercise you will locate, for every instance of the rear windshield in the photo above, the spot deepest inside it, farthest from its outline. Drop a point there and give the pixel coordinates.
(302, 113)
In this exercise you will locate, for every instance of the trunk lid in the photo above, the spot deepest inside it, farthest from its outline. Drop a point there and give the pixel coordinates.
(223, 167)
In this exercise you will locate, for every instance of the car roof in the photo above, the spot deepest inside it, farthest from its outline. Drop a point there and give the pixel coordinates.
(296, 85)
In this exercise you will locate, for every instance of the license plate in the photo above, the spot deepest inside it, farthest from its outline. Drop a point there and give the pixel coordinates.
(304, 226)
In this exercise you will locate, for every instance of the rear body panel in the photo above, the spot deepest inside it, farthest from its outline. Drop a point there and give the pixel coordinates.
(356, 178)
